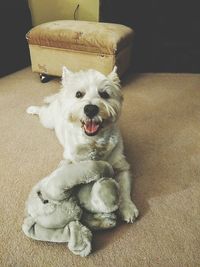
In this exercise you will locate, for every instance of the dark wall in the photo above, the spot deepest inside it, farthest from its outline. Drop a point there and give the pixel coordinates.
(167, 32)
(15, 21)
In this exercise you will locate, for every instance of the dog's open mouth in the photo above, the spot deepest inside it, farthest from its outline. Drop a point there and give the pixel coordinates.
(91, 127)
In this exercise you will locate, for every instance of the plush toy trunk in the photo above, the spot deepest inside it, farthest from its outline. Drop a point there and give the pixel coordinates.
(79, 45)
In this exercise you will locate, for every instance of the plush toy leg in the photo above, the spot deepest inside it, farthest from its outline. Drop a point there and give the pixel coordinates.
(99, 221)
(57, 185)
(78, 236)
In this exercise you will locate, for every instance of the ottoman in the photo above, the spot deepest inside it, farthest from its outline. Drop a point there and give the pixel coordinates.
(79, 45)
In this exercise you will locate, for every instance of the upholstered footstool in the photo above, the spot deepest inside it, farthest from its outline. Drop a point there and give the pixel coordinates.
(79, 45)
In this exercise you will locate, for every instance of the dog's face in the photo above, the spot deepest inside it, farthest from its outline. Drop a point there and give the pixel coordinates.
(91, 100)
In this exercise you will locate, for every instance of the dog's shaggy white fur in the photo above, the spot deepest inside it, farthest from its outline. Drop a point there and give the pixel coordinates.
(84, 115)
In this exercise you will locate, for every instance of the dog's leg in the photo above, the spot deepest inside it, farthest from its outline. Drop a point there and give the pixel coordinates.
(127, 209)
(44, 113)
(33, 110)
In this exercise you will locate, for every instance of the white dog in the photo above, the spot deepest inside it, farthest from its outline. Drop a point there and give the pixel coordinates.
(84, 116)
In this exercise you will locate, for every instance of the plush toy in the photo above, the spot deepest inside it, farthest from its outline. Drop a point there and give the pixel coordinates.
(71, 201)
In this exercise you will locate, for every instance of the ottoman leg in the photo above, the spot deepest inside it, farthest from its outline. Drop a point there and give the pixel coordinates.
(44, 78)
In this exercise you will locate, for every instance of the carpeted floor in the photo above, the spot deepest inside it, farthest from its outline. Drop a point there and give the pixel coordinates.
(161, 128)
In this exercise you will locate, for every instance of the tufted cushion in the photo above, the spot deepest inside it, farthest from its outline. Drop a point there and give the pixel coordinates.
(93, 37)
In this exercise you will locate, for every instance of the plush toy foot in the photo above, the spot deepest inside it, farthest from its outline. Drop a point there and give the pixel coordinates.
(38, 232)
(105, 195)
(100, 197)
(80, 239)
(78, 236)
(99, 221)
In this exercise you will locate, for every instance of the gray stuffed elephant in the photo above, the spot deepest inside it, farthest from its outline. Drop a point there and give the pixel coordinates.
(71, 201)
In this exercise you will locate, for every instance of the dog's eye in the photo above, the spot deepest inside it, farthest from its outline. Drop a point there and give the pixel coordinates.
(104, 95)
(79, 94)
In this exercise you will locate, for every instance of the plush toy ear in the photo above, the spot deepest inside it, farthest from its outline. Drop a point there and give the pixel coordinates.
(65, 73)
(113, 76)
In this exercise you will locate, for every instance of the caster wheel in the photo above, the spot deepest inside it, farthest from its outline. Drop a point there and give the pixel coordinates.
(44, 78)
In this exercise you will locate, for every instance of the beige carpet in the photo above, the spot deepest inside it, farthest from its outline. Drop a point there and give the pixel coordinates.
(161, 128)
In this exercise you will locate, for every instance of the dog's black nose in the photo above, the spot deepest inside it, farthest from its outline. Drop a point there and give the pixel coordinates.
(91, 110)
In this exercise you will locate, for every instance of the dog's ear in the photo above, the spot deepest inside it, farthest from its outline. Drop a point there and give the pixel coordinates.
(113, 76)
(65, 73)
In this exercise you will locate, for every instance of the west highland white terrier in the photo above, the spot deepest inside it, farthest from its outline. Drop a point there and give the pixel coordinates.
(84, 115)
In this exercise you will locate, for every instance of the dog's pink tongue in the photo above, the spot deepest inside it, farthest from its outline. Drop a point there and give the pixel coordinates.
(91, 127)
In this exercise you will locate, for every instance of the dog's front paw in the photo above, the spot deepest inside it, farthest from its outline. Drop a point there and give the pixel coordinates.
(128, 211)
